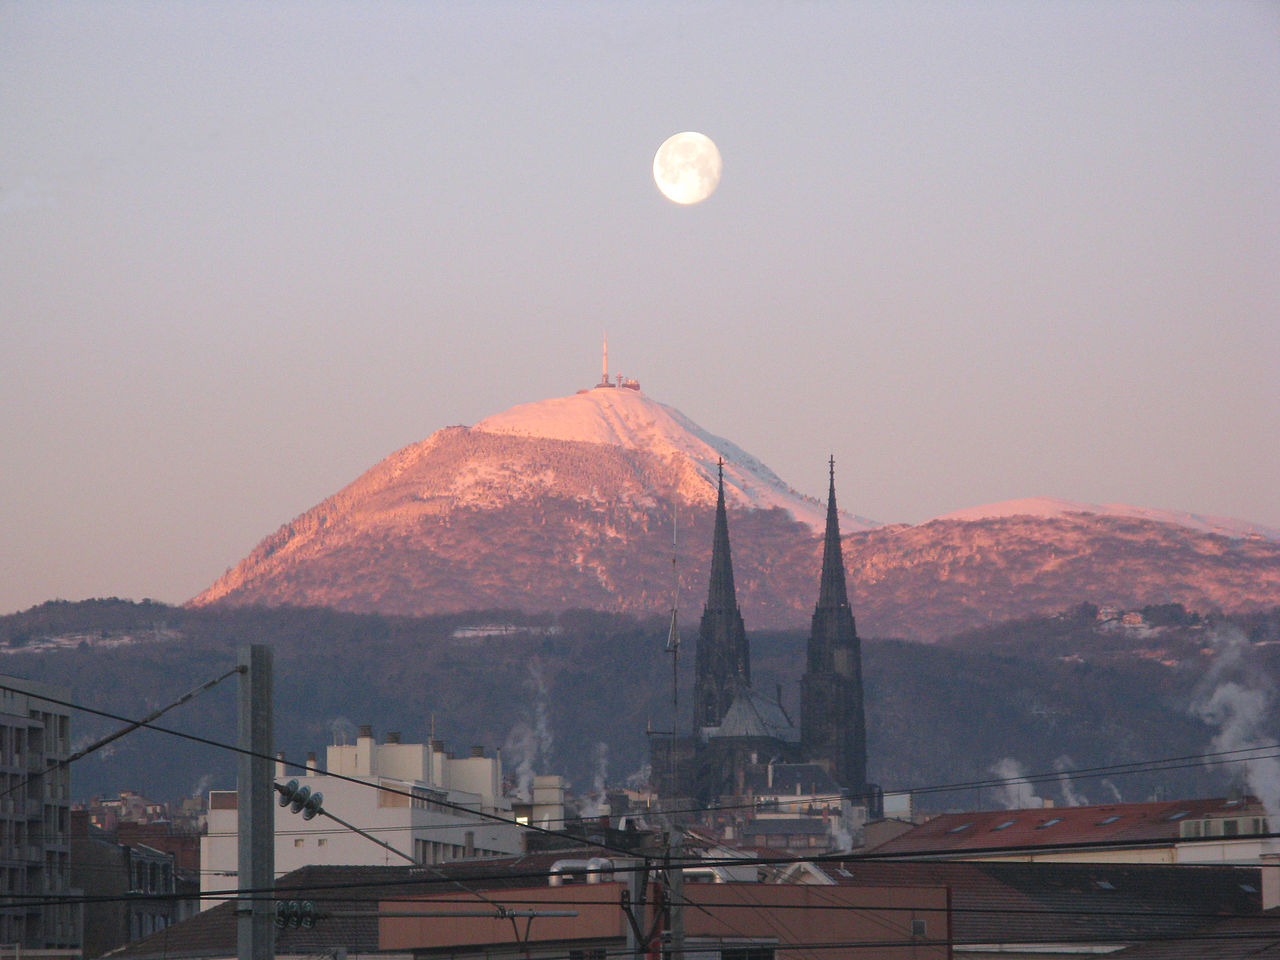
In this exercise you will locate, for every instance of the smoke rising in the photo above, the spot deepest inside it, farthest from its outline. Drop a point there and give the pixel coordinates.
(528, 744)
(1070, 795)
(1016, 792)
(594, 802)
(1235, 698)
(343, 731)
(1111, 788)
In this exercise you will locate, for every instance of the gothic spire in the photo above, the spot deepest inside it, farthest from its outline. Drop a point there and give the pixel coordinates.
(832, 591)
(721, 594)
(723, 658)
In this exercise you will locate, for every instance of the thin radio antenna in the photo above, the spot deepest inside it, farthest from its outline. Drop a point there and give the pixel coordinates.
(673, 644)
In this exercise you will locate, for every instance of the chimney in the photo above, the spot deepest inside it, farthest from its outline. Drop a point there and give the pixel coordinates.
(393, 736)
(437, 746)
(279, 766)
(366, 752)
(311, 762)
(1270, 881)
(477, 750)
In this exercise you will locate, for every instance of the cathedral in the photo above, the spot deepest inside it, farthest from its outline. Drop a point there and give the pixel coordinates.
(739, 733)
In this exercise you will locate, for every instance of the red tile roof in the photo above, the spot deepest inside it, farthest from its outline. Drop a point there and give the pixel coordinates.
(997, 902)
(1114, 823)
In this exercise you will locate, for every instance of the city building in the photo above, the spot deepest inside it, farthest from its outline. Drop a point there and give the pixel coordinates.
(129, 889)
(35, 818)
(1065, 911)
(419, 803)
(573, 903)
(1214, 830)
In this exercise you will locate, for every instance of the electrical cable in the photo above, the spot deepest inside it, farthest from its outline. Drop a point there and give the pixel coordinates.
(109, 738)
(1120, 769)
(305, 766)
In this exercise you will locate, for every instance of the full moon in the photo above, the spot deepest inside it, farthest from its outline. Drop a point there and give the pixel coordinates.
(686, 167)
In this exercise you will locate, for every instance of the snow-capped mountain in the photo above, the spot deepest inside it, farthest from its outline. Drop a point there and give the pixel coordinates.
(1047, 507)
(626, 418)
(572, 502)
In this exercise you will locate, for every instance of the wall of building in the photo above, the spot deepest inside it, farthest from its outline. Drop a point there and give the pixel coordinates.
(421, 828)
(904, 922)
(35, 811)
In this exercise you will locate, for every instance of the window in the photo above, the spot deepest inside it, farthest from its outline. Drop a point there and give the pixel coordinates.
(1179, 815)
(1111, 819)
(297, 841)
(746, 953)
(322, 842)
(1230, 828)
(1049, 823)
(963, 826)
(595, 953)
(919, 928)
(1002, 826)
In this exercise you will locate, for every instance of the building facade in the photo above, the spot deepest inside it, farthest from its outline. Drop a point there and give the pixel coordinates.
(129, 888)
(35, 818)
(423, 803)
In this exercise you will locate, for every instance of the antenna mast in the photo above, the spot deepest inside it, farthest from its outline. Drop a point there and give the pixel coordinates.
(604, 370)
(673, 645)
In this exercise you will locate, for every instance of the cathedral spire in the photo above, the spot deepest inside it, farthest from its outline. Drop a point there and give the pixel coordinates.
(833, 729)
(721, 594)
(723, 660)
(832, 591)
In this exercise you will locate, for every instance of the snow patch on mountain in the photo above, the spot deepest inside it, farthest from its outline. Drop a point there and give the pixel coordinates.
(622, 417)
(1048, 507)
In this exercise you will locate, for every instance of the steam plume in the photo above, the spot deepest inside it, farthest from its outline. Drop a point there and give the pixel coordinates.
(1016, 792)
(1070, 796)
(1235, 698)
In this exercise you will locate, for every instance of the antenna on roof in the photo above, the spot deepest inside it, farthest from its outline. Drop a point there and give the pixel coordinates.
(604, 370)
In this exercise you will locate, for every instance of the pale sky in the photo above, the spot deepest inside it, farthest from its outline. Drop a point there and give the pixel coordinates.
(978, 251)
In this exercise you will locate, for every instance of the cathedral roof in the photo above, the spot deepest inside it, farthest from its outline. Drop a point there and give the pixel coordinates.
(753, 715)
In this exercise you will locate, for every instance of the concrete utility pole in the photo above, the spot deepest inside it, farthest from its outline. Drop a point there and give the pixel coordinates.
(255, 809)
(675, 893)
(634, 899)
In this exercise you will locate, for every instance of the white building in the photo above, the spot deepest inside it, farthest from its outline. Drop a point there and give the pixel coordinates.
(409, 814)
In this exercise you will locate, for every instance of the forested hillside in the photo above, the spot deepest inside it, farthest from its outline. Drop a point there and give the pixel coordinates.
(1040, 694)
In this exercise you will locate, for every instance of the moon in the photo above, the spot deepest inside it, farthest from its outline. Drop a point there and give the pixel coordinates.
(686, 167)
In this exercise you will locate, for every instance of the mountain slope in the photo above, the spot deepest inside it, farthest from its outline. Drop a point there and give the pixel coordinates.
(1049, 507)
(630, 420)
(939, 714)
(570, 503)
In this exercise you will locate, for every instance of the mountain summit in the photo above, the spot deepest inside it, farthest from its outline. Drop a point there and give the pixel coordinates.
(573, 502)
(566, 502)
(626, 418)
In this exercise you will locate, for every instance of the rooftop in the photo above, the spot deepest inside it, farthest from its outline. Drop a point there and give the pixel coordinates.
(1115, 823)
